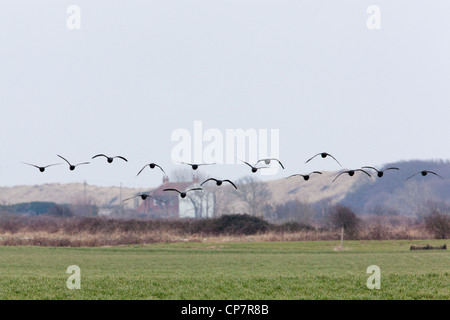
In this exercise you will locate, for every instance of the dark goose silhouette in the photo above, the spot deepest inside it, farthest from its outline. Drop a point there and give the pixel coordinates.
(305, 176)
(195, 166)
(109, 159)
(42, 169)
(380, 173)
(152, 166)
(254, 168)
(143, 196)
(323, 155)
(219, 182)
(350, 173)
(182, 193)
(72, 166)
(268, 160)
(424, 173)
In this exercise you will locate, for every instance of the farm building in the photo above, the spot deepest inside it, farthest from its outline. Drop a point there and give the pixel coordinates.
(169, 204)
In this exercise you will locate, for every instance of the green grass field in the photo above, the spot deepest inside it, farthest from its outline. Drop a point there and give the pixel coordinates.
(228, 270)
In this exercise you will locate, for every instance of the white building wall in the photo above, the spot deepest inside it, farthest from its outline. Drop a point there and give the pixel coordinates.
(186, 208)
(203, 198)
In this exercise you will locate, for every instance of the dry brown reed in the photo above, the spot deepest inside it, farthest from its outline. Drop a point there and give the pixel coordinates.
(101, 231)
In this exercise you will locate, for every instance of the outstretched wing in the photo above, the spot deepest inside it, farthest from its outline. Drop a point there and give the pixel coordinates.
(53, 164)
(231, 183)
(294, 175)
(64, 159)
(139, 195)
(120, 157)
(78, 164)
(334, 159)
(30, 164)
(130, 198)
(363, 171)
(100, 155)
(313, 157)
(208, 180)
(141, 169)
(194, 189)
(171, 189)
(160, 168)
(279, 162)
(339, 175)
(270, 159)
(247, 163)
(392, 168)
(435, 174)
(369, 167)
(413, 175)
(318, 172)
(181, 162)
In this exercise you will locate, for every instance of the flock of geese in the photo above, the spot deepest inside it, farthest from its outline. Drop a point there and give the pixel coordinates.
(254, 168)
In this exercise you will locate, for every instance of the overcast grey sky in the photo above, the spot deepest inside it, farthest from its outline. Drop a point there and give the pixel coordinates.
(136, 71)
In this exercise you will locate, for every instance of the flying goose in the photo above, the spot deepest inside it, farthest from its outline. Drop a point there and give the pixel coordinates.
(184, 193)
(152, 166)
(195, 166)
(267, 161)
(72, 166)
(143, 196)
(323, 155)
(254, 169)
(219, 182)
(109, 159)
(350, 173)
(380, 172)
(424, 173)
(41, 169)
(305, 176)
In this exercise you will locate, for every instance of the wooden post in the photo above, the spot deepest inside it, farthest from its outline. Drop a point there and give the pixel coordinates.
(342, 237)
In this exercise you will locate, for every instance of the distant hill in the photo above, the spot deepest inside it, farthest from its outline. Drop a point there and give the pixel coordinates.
(391, 193)
(70, 193)
(317, 188)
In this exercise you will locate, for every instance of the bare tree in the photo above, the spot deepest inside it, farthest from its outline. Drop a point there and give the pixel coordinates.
(181, 175)
(294, 210)
(438, 223)
(222, 200)
(203, 203)
(411, 199)
(254, 194)
(85, 206)
(341, 217)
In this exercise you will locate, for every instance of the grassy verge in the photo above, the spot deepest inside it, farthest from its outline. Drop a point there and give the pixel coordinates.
(228, 270)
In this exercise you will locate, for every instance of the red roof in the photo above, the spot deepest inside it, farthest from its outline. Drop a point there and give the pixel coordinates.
(169, 205)
(181, 186)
